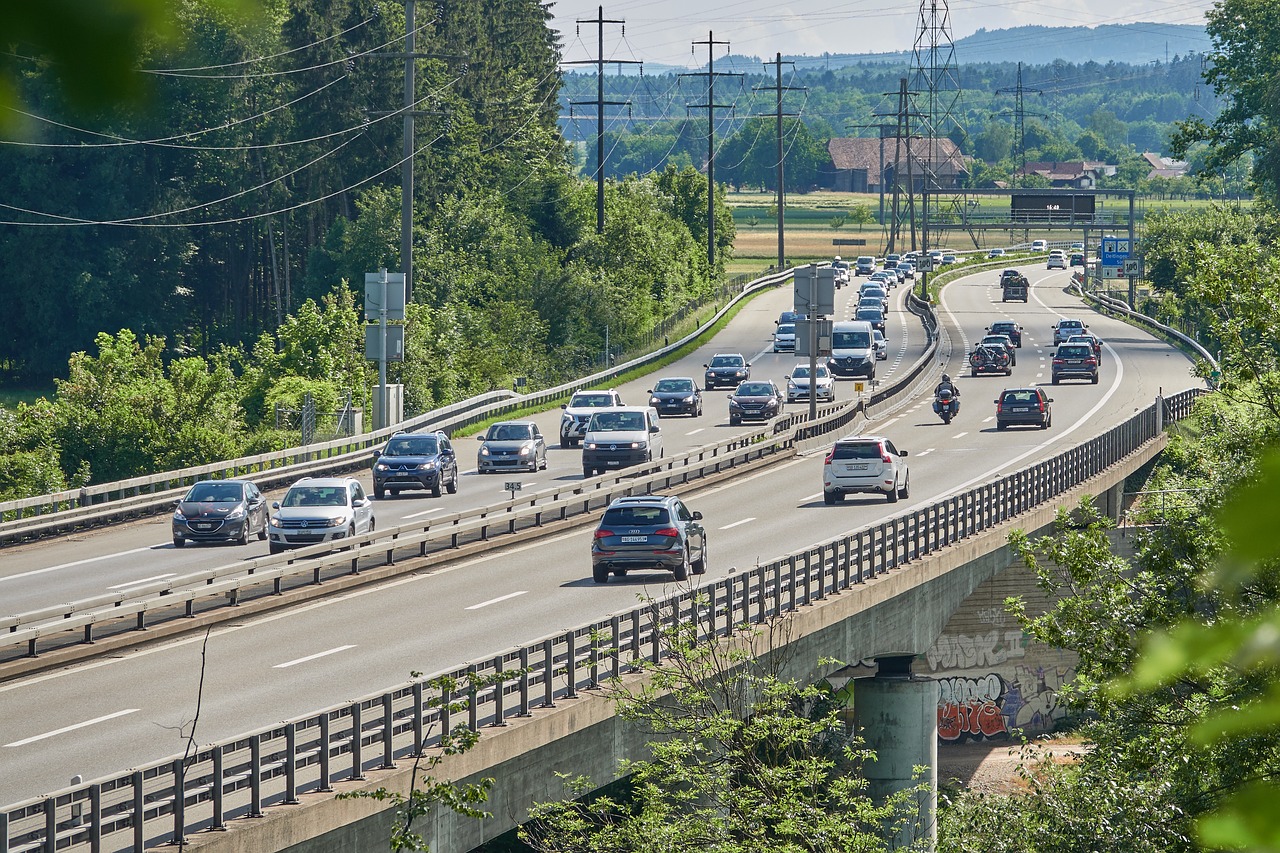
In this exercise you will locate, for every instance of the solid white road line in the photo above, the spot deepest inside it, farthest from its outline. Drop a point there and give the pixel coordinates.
(737, 523)
(80, 562)
(509, 595)
(72, 728)
(143, 580)
(988, 420)
(696, 431)
(425, 512)
(961, 435)
(925, 452)
(297, 661)
(812, 497)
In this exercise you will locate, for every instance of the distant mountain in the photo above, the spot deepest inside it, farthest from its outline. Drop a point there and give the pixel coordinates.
(1136, 44)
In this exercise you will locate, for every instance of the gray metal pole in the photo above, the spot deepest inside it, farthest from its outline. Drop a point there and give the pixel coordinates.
(711, 155)
(782, 256)
(813, 341)
(600, 124)
(406, 175)
(385, 419)
(1133, 281)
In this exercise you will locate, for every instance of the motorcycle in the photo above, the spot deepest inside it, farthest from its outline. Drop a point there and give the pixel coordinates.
(946, 406)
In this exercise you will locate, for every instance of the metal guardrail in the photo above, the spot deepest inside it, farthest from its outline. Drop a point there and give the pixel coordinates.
(37, 516)
(164, 802)
(145, 605)
(1111, 304)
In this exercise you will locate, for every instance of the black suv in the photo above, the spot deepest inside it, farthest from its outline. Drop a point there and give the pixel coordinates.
(726, 369)
(1075, 360)
(415, 460)
(1024, 406)
(649, 532)
(1008, 328)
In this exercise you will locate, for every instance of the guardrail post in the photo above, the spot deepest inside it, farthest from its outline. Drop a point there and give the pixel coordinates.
(524, 682)
(325, 775)
(139, 812)
(357, 743)
(418, 743)
(95, 821)
(635, 640)
(50, 824)
(215, 789)
(570, 665)
(255, 776)
(615, 652)
(179, 803)
(388, 728)
(593, 658)
(499, 718)
(548, 673)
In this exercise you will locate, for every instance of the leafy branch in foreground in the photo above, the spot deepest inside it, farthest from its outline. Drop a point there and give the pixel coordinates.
(741, 759)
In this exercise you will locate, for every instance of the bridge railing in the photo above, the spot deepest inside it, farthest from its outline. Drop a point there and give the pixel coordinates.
(164, 802)
(104, 502)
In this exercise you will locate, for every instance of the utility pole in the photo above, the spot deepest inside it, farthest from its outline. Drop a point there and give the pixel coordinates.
(904, 114)
(711, 74)
(778, 113)
(1019, 114)
(600, 102)
(406, 167)
(884, 130)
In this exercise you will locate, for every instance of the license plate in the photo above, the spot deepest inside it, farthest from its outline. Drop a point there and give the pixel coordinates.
(1073, 361)
(1020, 409)
(613, 463)
(632, 539)
(861, 466)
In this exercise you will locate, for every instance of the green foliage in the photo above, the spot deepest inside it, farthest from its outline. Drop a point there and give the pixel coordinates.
(742, 759)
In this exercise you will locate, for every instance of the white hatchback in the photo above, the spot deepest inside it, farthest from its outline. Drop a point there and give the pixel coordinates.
(865, 464)
(798, 384)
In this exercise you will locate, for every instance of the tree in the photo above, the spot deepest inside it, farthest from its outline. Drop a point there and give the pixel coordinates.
(1241, 31)
(742, 759)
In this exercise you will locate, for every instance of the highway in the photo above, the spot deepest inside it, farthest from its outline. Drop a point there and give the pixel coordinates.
(106, 715)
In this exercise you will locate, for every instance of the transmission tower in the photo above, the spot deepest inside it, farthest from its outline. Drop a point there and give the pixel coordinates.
(934, 79)
(902, 136)
(1019, 115)
(710, 106)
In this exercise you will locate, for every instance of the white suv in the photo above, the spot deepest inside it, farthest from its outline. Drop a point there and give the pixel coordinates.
(865, 463)
(319, 509)
(798, 384)
(573, 421)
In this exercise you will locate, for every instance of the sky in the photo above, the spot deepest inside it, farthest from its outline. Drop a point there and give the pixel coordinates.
(662, 32)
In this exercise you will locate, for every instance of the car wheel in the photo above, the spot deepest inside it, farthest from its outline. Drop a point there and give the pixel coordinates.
(262, 531)
(435, 488)
(709, 387)
(179, 542)
(892, 494)
(586, 472)
(905, 491)
(829, 498)
(681, 572)
(1001, 425)
(453, 483)
(599, 575)
(378, 493)
(243, 538)
(735, 421)
(700, 565)
(275, 547)
(1095, 379)
(1054, 380)
(395, 493)
(975, 372)
(1008, 371)
(564, 443)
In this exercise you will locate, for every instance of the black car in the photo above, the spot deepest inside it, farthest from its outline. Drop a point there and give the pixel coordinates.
(648, 532)
(1075, 361)
(758, 400)
(1023, 406)
(726, 369)
(678, 395)
(220, 511)
(415, 460)
(874, 316)
(1008, 328)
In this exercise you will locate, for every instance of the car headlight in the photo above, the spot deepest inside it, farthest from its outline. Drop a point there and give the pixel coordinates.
(275, 521)
(381, 466)
(178, 516)
(654, 401)
(484, 450)
(236, 514)
(427, 466)
(340, 520)
(589, 445)
(639, 445)
(525, 450)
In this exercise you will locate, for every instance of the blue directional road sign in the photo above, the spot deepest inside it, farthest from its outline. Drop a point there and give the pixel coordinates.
(1114, 251)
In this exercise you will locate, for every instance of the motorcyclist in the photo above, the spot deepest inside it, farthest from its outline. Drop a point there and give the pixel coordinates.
(946, 385)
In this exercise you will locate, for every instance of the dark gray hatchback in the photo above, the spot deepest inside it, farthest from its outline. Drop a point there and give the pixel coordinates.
(655, 532)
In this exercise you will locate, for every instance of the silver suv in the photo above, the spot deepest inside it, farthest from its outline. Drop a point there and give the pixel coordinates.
(865, 463)
(319, 509)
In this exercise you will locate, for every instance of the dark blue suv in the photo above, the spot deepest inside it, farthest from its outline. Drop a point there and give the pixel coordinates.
(415, 460)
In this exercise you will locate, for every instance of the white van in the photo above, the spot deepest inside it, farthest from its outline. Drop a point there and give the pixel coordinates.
(853, 349)
(621, 436)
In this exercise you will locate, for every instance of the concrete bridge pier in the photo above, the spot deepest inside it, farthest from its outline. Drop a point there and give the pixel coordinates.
(896, 714)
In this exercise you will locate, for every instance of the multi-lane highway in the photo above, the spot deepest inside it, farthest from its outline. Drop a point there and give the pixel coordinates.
(106, 715)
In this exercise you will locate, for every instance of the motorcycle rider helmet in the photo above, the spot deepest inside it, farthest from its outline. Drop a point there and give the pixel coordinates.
(837, 257)
(946, 378)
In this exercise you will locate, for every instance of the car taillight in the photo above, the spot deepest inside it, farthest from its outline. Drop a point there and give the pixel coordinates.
(667, 531)
(830, 455)
(999, 407)
(1091, 360)
(1042, 406)
(884, 456)
(1057, 361)
(602, 533)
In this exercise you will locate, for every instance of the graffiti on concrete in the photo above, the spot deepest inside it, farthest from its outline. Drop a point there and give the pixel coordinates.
(959, 651)
(986, 707)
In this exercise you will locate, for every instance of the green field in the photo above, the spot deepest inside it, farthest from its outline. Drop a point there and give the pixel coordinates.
(11, 397)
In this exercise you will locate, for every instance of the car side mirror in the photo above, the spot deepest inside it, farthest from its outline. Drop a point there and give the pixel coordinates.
(360, 502)
(480, 437)
(177, 501)
(564, 405)
(1048, 399)
(650, 391)
(706, 365)
(997, 402)
(788, 376)
(377, 453)
(655, 428)
(903, 453)
(275, 504)
(697, 516)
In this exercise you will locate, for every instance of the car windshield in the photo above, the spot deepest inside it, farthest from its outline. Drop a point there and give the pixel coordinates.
(411, 446)
(995, 340)
(316, 496)
(616, 422)
(674, 385)
(1076, 351)
(635, 516)
(591, 401)
(1070, 324)
(754, 389)
(727, 361)
(787, 329)
(869, 313)
(850, 340)
(876, 333)
(856, 450)
(214, 493)
(802, 372)
(510, 432)
(1001, 327)
(873, 291)
(1023, 396)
